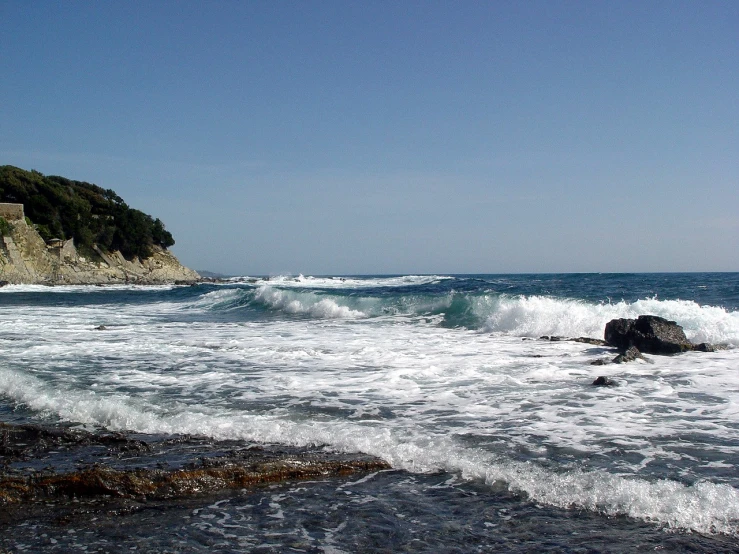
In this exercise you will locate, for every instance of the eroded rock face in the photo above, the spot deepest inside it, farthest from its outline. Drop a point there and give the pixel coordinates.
(649, 334)
(25, 258)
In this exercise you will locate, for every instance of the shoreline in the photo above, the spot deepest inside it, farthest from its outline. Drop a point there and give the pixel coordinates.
(45, 465)
(244, 497)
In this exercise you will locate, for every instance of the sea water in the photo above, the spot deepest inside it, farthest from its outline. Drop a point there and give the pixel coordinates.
(497, 438)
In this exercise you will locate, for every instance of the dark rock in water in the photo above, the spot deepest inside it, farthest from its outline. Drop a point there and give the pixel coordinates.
(3, 283)
(632, 354)
(552, 338)
(705, 347)
(589, 340)
(100, 328)
(604, 382)
(649, 333)
(157, 483)
(600, 361)
(618, 332)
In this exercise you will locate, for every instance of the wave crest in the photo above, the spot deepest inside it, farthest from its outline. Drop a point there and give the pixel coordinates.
(534, 316)
(308, 303)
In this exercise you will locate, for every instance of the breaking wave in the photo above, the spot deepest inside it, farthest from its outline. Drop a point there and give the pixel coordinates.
(537, 315)
(525, 316)
(703, 507)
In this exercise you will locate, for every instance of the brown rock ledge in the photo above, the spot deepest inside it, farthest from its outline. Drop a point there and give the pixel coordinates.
(40, 464)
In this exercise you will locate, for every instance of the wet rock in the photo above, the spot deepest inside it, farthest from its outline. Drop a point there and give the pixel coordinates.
(28, 442)
(145, 483)
(648, 333)
(631, 355)
(705, 347)
(589, 340)
(69, 464)
(600, 361)
(101, 328)
(617, 332)
(604, 382)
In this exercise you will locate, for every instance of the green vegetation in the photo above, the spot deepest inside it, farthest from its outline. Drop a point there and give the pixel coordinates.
(62, 208)
(4, 227)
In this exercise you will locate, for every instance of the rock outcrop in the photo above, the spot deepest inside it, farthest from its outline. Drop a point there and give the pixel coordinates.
(111, 466)
(631, 355)
(649, 334)
(25, 258)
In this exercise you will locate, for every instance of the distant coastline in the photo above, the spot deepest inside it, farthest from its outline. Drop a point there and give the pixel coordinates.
(25, 258)
(56, 231)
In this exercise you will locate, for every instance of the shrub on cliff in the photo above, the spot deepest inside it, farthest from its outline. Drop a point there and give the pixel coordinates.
(62, 208)
(4, 227)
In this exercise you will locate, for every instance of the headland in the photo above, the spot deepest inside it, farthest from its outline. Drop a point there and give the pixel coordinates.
(55, 231)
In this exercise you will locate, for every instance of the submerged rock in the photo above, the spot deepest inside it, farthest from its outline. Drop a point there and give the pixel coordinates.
(648, 333)
(147, 483)
(590, 340)
(705, 347)
(604, 382)
(632, 354)
(41, 463)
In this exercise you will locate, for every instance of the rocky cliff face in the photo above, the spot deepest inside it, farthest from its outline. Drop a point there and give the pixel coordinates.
(26, 258)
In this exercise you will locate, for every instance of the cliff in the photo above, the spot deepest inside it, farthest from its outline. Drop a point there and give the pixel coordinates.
(26, 258)
(62, 208)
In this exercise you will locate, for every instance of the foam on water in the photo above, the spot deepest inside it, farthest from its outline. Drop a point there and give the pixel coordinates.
(428, 379)
(351, 282)
(524, 316)
(306, 303)
(534, 316)
(10, 289)
(318, 303)
(703, 507)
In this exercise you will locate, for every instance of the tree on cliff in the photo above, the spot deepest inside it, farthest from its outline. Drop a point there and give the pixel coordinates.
(62, 208)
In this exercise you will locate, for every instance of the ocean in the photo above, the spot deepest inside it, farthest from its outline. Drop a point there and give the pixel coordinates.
(496, 438)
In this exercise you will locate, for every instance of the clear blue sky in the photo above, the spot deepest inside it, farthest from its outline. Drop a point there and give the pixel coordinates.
(392, 137)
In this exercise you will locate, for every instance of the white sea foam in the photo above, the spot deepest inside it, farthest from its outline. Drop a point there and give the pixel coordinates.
(703, 507)
(280, 299)
(305, 303)
(535, 316)
(352, 282)
(224, 298)
(9, 289)
(419, 395)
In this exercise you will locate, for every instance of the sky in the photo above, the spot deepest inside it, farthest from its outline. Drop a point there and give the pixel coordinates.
(385, 137)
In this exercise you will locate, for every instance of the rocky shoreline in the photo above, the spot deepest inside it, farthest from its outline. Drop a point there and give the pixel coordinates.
(25, 258)
(55, 471)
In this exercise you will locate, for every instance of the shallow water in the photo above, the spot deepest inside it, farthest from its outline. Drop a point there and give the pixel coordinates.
(383, 512)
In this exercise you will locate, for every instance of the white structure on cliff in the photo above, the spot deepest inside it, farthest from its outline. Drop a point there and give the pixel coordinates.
(12, 212)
